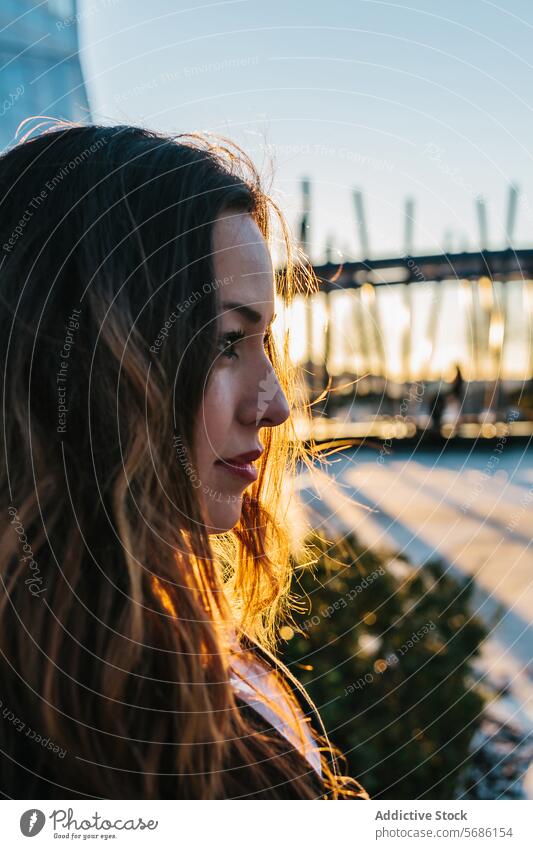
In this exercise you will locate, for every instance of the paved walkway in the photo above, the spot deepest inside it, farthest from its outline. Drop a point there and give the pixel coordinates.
(474, 511)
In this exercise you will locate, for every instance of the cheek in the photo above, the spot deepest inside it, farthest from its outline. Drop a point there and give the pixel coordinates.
(216, 413)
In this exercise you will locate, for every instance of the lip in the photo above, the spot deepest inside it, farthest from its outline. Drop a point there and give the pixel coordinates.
(241, 465)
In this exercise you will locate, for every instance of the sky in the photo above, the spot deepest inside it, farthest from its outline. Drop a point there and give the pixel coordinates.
(421, 99)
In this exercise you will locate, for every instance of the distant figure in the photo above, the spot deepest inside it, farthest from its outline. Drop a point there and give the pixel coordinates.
(439, 402)
(457, 385)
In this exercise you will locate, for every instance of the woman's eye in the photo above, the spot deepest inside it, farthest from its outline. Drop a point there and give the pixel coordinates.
(228, 341)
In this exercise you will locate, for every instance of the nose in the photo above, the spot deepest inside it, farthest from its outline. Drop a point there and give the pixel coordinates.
(272, 405)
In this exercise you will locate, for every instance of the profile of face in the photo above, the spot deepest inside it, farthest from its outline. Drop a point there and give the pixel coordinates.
(242, 393)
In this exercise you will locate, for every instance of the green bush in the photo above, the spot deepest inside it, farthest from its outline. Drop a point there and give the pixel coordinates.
(386, 651)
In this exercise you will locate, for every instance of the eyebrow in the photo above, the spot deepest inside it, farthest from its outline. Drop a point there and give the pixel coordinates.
(250, 314)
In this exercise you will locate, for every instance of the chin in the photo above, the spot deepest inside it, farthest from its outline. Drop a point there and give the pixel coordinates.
(224, 517)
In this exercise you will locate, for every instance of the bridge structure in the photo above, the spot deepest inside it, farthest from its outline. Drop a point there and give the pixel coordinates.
(480, 310)
(482, 277)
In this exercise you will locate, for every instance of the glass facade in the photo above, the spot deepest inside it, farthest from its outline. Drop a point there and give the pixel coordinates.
(40, 71)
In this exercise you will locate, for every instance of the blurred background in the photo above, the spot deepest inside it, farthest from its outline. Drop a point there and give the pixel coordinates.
(398, 143)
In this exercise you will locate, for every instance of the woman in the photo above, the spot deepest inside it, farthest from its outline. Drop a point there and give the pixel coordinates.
(144, 559)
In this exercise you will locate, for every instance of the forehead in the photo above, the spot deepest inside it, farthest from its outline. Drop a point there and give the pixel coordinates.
(242, 260)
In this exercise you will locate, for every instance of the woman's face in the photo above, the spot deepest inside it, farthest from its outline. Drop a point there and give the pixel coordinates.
(242, 394)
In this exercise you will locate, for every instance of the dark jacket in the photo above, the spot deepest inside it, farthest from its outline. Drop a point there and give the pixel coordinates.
(309, 710)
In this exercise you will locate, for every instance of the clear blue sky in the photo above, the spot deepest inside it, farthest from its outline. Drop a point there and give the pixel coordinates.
(426, 98)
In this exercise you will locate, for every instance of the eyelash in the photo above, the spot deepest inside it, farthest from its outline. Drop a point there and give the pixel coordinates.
(230, 339)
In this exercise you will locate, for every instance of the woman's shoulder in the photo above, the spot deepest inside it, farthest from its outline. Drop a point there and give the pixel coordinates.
(262, 725)
(304, 700)
(307, 706)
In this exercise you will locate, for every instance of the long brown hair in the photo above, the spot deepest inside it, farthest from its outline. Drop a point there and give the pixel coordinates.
(116, 603)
